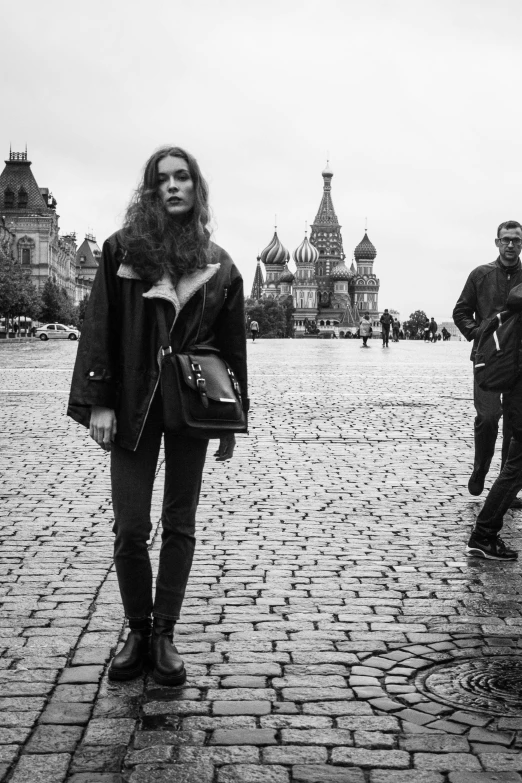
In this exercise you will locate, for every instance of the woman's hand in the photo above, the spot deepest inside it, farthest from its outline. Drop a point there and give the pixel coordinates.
(227, 445)
(102, 427)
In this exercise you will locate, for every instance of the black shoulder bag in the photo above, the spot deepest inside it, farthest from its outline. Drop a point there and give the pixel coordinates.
(201, 396)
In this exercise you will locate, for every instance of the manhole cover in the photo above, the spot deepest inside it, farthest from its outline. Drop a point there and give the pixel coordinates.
(492, 685)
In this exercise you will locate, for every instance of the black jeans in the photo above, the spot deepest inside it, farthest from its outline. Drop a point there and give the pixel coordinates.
(505, 489)
(132, 477)
(385, 335)
(488, 405)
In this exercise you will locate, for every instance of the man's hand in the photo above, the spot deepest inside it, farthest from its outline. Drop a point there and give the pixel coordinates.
(102, 426)
(227, 445)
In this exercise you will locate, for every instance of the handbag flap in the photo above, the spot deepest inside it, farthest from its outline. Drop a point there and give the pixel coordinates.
(215, 372)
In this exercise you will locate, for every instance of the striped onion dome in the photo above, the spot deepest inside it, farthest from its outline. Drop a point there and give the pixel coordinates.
(340, 272)
(306, 253)
(274, 253)
(365, 251)
(287, 276)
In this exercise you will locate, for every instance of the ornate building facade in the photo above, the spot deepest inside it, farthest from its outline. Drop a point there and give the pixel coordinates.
(328, 297)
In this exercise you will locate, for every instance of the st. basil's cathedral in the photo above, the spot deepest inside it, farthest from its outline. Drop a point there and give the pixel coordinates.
(328, 297)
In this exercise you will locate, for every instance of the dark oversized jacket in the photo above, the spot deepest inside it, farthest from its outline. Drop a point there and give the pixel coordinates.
(117, 365)
(484, 295)
(386, 320)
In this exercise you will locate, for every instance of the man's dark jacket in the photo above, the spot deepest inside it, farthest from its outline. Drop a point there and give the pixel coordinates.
(484, 295)
(117, 365)
(386, 320)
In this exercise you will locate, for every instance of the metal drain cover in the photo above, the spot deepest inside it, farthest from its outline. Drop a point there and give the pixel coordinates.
(492, 685)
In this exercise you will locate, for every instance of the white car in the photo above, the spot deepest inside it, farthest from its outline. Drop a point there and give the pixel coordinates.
(53, 331)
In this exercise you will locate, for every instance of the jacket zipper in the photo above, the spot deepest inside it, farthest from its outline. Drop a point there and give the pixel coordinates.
(202, 312)
(158, 359)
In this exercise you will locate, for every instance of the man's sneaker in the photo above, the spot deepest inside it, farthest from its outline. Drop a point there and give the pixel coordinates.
(492, 548)
(476, 482)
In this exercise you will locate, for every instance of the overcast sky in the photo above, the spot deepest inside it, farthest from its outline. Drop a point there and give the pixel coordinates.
(413, 101)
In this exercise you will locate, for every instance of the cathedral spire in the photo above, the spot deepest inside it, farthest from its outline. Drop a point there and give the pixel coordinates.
(326, 214)
(257, 286)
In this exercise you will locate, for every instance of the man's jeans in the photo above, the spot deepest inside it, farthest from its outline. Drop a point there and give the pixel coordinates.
(488, 406)
(385, 335)
(132, 476)
(508, 484)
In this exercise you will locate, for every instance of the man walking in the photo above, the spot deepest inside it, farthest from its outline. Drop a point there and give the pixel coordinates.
(433, 330)
(485, 294)
(254, 330)
(386, 322)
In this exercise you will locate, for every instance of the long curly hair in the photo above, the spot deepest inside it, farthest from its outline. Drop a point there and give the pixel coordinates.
(157, 243)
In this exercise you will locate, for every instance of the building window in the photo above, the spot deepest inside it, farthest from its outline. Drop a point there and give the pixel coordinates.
(9, 198)
(22, 198)
(26, 256)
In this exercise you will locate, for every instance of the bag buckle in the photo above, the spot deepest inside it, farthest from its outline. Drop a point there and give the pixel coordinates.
(195, 367)
(201, 382)
(166, 351)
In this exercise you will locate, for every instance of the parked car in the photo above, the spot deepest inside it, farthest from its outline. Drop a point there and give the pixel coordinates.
(53, 331)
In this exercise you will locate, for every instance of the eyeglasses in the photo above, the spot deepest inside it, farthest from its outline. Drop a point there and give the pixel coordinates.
(507, 241)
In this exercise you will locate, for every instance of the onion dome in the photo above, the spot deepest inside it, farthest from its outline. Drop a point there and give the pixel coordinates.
(287, 276)
(365, 251)
(274, 253)
(306, 253)
(340, 272)
(327, 171)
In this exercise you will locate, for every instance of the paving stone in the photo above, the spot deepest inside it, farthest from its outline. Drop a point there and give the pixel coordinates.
(81, 674)
(405, 776)
(146, 739)
(109, 731)
(49, 768)
(243, 754)
(62, 713)
(54, 738)
(495, 762)
(253, 773)
(240, 707)
(98, 758)
(316, 737)
(361, 757)
(294, 754)
(484, 777)
(446, 762)
(438, 743)
(321, 773)
(8, 753)
(95, 777)
(243, 737)
(179, 773)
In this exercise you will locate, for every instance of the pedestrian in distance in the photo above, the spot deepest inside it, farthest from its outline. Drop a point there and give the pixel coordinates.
(396, 329)
(365, 329)
(433, 330)
(484, 295)
(161, 258)
(426, 331)
(386, 321)
(254, 330)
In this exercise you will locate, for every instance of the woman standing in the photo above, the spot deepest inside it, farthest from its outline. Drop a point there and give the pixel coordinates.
(163, 253)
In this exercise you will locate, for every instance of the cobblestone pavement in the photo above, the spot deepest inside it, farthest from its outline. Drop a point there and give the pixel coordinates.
(333, 630)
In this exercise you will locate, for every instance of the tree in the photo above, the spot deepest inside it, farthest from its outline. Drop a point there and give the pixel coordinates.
(416, 322)
(56, 304)
(80, 311)
(18, 295)
(271, 315)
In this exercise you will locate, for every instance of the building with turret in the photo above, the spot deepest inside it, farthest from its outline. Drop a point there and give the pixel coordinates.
(329, 297)
(30, 216)
(88, 258)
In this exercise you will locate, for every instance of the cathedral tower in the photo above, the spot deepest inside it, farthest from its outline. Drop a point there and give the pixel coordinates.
(365, 285)
(305, 286)
(326, 237)
(274, 258)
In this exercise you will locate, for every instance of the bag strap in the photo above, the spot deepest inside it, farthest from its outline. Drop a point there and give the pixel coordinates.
(166, 348)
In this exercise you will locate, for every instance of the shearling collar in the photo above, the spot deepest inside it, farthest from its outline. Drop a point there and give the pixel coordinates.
(179, 295)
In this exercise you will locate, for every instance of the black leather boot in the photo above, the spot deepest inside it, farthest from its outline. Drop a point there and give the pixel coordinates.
(169, 668)
(128, 663)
